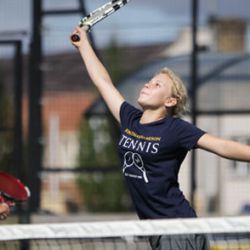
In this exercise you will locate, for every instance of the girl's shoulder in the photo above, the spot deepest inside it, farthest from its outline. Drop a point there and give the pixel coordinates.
(128, 113)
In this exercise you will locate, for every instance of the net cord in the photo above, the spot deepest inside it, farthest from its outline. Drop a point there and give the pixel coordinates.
(113, 229)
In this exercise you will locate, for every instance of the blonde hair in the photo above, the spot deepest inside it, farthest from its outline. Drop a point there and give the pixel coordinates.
(179, 92)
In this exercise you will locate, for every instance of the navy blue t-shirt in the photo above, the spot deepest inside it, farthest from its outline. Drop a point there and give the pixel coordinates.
(151, 155)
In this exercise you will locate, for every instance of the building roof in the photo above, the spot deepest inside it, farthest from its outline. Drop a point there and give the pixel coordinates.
(66, 72)
(67, 107)
(224, 81)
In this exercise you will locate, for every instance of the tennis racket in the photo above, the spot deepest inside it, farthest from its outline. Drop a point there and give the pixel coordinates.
(12, 189)
(97, 15)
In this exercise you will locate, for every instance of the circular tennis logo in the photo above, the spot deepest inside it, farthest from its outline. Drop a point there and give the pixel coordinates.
(131, 161)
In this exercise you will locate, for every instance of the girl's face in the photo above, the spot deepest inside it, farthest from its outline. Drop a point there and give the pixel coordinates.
(157, 93)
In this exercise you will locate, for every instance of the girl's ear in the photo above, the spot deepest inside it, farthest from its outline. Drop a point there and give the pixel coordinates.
(170, 102)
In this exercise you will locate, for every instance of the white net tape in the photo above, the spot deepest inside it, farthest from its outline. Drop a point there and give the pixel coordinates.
(125, 228)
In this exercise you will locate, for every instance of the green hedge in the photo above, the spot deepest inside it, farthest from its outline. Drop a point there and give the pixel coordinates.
(104, 192)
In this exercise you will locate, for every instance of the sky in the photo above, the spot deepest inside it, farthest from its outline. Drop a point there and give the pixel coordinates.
(140, 22)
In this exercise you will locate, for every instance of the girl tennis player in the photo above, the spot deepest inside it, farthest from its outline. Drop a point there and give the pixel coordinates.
(154, 143)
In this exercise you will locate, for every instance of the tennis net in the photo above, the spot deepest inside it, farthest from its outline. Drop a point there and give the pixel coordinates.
(222, 233)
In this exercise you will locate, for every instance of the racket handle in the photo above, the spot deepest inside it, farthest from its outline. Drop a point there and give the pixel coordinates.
(75, 38)
(3, 200)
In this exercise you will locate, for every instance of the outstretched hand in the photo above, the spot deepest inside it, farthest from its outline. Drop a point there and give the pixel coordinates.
(5, 207)
(4, 210)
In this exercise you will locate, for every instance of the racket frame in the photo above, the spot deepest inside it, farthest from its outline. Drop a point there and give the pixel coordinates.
(16, 184)
(97, 15)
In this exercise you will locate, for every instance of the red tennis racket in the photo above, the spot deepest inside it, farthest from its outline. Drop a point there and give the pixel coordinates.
(12, 189)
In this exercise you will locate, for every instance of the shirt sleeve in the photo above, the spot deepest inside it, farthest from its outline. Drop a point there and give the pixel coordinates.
(128, 113)
(188, 134)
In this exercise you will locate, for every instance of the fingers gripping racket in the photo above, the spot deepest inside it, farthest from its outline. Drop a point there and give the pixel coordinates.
(98, 15)
(12, 189)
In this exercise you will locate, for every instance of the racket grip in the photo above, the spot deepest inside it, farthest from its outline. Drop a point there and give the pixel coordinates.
(3, 200)
(75, 38)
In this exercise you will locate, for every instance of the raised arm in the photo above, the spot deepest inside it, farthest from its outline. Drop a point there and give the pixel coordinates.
(226, 148)
(99, 74)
